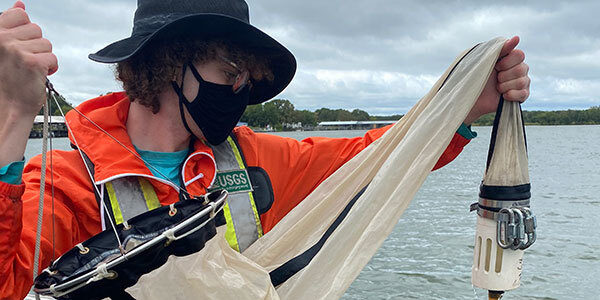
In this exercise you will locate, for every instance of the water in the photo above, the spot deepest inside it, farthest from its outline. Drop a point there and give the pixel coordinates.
(429, 253)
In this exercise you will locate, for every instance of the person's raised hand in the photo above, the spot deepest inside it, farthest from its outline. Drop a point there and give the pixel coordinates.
(509, 78)
(26, 59)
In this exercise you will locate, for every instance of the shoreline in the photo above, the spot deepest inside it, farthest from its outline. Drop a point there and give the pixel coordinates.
(474, 125)
(64, 135)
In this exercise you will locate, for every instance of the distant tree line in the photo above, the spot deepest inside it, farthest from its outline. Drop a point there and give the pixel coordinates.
(54, 111)
(280, 114)
(590, 116)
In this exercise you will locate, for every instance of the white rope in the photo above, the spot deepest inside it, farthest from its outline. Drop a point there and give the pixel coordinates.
(52, 185)
(133, 153)
(52, 90)
(38, 237)
(103, 272)
(170, 234)
(80, 246)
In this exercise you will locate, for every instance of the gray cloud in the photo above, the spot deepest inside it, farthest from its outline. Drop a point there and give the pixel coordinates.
(420, 38)
(376, 55)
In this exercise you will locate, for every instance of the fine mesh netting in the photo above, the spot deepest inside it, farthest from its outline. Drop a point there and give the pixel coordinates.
(390, 170)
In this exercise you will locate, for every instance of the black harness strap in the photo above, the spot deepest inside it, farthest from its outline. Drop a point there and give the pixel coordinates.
(288, 269)
(505, 193)
(494, 132)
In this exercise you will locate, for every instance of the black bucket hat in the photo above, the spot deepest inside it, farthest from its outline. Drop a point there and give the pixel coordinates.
(222, 19)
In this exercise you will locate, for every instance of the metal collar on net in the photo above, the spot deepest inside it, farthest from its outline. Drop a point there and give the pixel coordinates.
(172, 234)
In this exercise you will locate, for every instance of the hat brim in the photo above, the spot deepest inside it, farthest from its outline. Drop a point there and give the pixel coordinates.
(281, 61)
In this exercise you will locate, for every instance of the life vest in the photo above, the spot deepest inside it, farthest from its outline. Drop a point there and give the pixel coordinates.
(250, 195)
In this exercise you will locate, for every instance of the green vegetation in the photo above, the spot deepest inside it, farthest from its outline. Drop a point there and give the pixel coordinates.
(326, 114)
(64, 105)
(590, 116)
(280, 114)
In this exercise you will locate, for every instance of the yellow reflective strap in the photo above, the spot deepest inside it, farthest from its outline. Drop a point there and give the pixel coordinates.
(256, 217)
(238, 157)
(230, 232)
(114, 203)
(236, 153)
(149, 194)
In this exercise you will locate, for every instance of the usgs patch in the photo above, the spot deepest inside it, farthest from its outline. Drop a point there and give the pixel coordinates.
(233, 181)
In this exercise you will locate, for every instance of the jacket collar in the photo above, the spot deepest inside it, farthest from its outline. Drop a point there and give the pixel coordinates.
(112, 160)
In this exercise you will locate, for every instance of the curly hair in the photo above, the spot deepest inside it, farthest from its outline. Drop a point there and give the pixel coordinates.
(145, 75)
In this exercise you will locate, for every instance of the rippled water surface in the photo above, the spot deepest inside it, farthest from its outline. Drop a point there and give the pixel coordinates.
(429, 254)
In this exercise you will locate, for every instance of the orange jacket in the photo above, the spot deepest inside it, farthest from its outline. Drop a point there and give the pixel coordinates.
(295, 169)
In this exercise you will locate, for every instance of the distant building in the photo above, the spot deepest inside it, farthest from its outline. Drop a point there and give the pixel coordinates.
(352, 125)
(52, 119)
(57, 127)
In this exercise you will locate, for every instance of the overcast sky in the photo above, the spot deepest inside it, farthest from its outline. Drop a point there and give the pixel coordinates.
(377, 55)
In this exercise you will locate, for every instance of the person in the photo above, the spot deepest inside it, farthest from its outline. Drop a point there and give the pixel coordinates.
(189, 70)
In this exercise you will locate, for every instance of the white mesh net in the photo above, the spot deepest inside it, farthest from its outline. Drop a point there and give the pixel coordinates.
(394, 167)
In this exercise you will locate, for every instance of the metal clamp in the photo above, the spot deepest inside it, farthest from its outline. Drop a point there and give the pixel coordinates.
(515, 228)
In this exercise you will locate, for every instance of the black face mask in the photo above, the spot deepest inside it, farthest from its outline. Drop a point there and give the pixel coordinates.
(216, 108)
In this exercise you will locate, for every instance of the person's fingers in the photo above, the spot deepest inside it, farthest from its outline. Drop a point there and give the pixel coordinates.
(515, 72)
(40, 45)
(514, 58)
(509, 46)
(49, 61)
(13, 17)
(45, 63)
(516, 95)
(19, 4)
(515, 84)
(27, 32)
